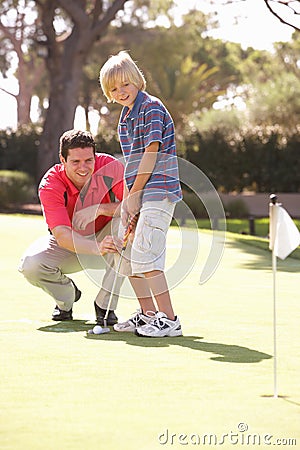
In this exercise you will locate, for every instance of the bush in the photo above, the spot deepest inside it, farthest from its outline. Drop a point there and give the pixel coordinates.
(237, 209)
(19, 149)
(15, 188)
(191, 204)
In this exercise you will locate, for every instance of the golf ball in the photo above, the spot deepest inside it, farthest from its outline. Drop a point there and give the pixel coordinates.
(97, 329)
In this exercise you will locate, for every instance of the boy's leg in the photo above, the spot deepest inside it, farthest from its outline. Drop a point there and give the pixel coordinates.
(164, 323)
(147, 308)
(149, 250)
(149, 244)
(143, 293)
(158, 284)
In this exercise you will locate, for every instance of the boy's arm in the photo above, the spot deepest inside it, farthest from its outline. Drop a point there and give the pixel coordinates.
(146, 167)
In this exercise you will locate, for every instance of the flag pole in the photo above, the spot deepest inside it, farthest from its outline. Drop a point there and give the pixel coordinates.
(274, 265)
(284, 239)
(273, 220)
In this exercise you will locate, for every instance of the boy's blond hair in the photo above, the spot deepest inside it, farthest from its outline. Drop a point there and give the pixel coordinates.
(120, 68)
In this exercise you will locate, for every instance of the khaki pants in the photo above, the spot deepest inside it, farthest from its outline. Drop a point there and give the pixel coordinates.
(45, 265)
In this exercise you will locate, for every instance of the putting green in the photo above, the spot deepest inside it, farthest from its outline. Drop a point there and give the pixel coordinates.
(213, 387)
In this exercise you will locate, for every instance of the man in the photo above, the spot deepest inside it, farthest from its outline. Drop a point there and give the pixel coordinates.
(78, 210)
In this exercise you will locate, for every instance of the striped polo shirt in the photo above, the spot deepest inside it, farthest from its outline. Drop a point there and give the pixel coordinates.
(147, 122)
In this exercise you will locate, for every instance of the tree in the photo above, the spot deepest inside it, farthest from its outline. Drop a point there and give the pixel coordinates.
(182, 68)
(18, 30)
(255, 148)
(70, 30)
(287, 11)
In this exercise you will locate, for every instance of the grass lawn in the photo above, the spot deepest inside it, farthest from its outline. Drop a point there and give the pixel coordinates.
(63, 389)
(240, 226)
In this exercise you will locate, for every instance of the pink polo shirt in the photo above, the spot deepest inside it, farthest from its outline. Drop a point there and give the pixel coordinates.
(60, 198)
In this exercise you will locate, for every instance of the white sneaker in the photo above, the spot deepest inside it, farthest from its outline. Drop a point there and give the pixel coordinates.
(160, 326)
(137, 320)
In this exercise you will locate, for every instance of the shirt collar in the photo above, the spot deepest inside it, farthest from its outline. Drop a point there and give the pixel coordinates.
(73, 190)
(70, 186)
(136, 107)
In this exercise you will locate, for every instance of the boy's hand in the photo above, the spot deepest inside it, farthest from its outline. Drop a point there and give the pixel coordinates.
(130, 207)
(124, 214)
(134, 203)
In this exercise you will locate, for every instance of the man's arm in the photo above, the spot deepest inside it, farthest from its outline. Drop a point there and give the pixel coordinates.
(69, 239)
(83, 217)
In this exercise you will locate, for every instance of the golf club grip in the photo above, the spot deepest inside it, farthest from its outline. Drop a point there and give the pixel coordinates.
(128, 231)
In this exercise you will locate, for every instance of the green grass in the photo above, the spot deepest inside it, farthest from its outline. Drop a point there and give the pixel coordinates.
(239, 226)
(62, 389)
(242, 226)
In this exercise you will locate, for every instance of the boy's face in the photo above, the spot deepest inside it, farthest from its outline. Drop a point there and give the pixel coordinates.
(79, 165)
(124, 93)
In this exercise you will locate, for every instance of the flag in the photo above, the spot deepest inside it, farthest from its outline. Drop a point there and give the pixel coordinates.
(284, 235)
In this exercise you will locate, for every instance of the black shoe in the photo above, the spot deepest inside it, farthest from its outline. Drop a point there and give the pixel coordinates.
(100, 314)
(77, 292)
(59, 314)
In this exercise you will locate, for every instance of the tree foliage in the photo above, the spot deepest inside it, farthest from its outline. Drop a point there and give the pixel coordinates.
(61, 45)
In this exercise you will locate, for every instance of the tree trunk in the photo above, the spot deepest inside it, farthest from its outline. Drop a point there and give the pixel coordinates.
(23, 105)
(65, 62)
(65, 76)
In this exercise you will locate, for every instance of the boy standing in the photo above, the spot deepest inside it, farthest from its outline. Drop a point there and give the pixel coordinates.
(151, 189)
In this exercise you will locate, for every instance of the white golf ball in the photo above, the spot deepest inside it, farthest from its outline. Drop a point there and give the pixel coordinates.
(97, 329)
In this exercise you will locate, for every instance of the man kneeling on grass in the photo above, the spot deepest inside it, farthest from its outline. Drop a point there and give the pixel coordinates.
(78, 210)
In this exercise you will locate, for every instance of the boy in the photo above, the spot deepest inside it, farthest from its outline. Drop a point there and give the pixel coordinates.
(151, 189)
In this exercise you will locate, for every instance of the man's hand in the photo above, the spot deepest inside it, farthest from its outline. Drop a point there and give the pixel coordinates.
(69, 239)
(82, 218)
(85, 216)
(109, 245)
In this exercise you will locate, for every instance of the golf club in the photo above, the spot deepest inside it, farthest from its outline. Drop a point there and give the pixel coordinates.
(125, 241)
(97, 328)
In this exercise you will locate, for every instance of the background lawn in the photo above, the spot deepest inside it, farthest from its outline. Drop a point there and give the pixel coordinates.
(62, 389)
(240, 226)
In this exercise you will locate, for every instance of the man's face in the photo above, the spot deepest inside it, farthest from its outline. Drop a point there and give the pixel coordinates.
(79, 165)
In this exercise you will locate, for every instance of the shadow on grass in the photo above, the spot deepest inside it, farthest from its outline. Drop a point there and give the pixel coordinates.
(226, 353)
(286, 398)
(67, 327)
(263, 255)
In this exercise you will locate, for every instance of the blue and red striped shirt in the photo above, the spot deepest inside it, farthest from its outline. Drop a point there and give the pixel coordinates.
(149, 121)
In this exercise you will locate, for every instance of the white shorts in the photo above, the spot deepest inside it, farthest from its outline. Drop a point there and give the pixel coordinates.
(148, 250)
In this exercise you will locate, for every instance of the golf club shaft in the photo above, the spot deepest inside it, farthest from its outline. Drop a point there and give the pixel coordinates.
(113, 287)
(125, 240)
